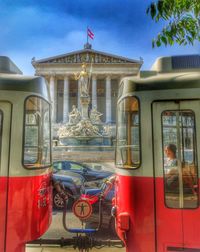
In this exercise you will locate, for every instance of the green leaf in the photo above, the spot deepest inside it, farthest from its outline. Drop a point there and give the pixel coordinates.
(160, 7)
(182, 21)
(190, 40)
(153, 10)
(164, 40)
(158, 43)
(170, 40)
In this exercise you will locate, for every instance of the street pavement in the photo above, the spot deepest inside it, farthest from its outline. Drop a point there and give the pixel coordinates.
(56, 249)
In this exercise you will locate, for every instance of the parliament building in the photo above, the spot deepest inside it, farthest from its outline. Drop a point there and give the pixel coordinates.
(105, 70)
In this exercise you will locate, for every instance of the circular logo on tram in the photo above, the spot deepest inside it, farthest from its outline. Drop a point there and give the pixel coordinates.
(82, 209)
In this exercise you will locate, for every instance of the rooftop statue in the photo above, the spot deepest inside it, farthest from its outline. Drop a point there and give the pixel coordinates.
(84, 81)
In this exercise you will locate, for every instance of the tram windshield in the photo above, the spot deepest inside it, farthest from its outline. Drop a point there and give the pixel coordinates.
(36, 133)
(128, 134)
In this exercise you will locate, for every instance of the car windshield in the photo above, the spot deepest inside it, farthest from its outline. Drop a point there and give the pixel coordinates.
(57, 165)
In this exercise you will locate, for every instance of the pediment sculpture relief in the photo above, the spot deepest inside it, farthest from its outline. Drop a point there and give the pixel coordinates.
(88, 57)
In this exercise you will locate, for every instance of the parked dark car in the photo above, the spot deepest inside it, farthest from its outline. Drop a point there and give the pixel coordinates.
(73, 184)
(89, 173)
(107, 191)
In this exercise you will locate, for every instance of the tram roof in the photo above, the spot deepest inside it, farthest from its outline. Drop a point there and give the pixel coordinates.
(11, 79)
(15, 82)
(165, 81)
(165, 76)
(8, 66)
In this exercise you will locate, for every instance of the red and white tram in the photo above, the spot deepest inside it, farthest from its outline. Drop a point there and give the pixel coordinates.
(157, 193)
(25, 158)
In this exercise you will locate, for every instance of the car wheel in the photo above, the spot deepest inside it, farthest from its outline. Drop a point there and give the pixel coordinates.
(58, 202)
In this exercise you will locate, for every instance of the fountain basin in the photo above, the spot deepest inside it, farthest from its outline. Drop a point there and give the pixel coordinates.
(86, 140)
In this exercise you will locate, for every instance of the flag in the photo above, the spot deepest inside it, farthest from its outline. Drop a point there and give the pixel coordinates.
(90, 33)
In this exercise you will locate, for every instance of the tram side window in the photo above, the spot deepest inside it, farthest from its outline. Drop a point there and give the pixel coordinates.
(128, 134)
(36, 133)
(180, 159)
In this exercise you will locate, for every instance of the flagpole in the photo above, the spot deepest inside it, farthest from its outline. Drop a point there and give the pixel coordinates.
(87, 34)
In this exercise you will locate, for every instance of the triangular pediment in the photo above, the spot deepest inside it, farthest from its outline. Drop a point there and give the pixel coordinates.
(86, 55)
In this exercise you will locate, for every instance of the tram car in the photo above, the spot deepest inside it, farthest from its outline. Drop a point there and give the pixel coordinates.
(25, 158)
(158, 157)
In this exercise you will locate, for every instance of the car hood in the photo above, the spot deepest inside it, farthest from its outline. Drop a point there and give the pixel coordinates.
(67, 175)
(103, 174)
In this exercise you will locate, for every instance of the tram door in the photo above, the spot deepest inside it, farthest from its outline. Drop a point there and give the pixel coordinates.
(176, 135)
(5, 119)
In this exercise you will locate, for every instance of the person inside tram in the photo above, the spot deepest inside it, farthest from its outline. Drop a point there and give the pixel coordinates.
(172, 173)
(170, 152)
(170, 166)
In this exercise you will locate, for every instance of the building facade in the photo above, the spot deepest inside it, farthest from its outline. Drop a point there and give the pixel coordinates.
(105, 70)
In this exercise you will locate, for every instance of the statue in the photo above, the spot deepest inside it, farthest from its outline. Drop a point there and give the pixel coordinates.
(107, 130)
(95, 116)
(83, 128)
(84, 81)
(74, 115)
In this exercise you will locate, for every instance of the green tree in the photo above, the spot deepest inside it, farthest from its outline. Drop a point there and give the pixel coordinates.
(182, 19)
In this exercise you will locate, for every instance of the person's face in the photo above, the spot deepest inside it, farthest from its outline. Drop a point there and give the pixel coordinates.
(169, 153)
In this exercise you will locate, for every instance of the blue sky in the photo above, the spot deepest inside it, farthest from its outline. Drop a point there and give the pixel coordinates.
(45, 28)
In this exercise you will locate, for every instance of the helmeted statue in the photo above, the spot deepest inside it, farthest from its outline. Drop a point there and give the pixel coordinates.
(84, 81)
(82, 125)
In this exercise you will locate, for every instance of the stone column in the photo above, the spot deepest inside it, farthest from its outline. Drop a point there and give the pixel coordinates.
(108, 99)
(66, 100)
(94, 92)
(53, 97)
(78, 98)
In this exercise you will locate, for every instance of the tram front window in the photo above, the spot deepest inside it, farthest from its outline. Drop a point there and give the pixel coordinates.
(128, 134)
(36, 133)
(180, 161)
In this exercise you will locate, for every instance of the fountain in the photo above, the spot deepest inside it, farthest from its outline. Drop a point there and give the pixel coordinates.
(84, 127)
